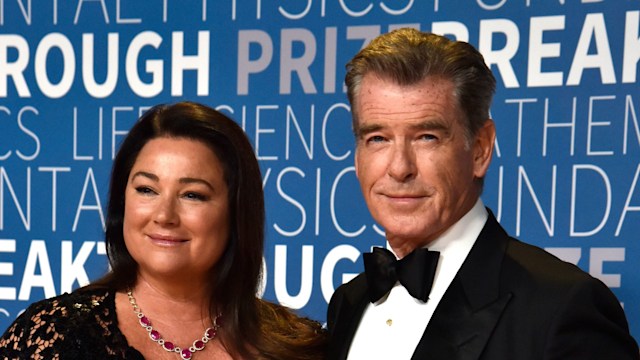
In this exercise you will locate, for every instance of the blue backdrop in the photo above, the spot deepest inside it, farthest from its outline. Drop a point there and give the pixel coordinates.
(75, 75)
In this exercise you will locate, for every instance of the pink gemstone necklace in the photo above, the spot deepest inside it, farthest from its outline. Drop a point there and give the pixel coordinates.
(154, 335)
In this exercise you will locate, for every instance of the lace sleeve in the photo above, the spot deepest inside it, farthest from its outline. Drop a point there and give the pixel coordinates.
(80, 325)
(36, 334)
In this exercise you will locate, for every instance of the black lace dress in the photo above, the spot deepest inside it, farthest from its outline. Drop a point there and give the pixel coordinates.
(80, 325)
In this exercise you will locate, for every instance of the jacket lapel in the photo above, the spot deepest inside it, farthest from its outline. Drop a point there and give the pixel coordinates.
(348, 311)
(471, 307)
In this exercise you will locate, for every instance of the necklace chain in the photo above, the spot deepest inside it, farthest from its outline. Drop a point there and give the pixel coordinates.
(154, 335)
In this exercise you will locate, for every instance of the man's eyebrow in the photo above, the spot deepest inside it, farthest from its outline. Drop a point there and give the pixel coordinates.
(367, 129)
(430, 125)
(422, 125)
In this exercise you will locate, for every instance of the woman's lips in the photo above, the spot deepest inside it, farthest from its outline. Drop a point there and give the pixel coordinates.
(166, 239)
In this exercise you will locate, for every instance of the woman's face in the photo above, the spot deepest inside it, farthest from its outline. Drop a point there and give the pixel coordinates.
(176, 219)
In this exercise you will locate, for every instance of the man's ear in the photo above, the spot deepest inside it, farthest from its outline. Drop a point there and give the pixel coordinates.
(483, 148)
(355, 161)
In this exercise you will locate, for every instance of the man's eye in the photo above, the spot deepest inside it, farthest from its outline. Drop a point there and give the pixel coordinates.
(375, 139)
(428, 137)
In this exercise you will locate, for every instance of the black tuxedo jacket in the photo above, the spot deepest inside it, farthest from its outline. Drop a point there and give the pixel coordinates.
(510, 301)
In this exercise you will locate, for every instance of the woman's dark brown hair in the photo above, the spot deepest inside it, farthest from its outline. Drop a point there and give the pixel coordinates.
(253, 328)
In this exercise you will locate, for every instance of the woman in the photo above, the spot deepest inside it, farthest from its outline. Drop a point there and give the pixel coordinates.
(184, 234)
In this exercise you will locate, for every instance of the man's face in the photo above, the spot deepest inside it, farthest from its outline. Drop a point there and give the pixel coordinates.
(415, 166)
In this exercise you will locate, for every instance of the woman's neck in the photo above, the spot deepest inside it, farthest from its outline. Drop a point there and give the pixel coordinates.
(173, 301)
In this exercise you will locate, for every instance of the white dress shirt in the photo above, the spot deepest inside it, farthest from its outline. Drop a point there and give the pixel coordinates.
(392, 327)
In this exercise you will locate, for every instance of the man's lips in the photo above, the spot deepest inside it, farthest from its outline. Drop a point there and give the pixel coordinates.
(401, 196)
(403, 199)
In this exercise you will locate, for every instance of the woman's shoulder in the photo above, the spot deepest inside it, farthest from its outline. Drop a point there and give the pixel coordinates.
(48, 326)
(71, 307)
(295, 336)
(287, 318)
(68, 305)
(76, 301)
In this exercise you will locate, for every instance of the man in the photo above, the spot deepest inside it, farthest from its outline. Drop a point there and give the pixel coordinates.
(420, 105)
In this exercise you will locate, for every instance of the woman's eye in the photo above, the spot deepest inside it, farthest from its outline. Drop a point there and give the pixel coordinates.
(144, 190)
(195, 196)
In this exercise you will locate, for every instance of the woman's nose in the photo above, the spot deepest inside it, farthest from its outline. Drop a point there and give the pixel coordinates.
(166, 212)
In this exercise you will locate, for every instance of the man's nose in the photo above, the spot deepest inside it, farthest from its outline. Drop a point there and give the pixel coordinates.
(403, 162)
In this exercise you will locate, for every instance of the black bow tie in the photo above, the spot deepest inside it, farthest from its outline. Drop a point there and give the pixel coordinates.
(414, 271)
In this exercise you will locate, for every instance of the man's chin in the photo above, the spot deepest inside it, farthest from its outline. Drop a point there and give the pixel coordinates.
(405, 233)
